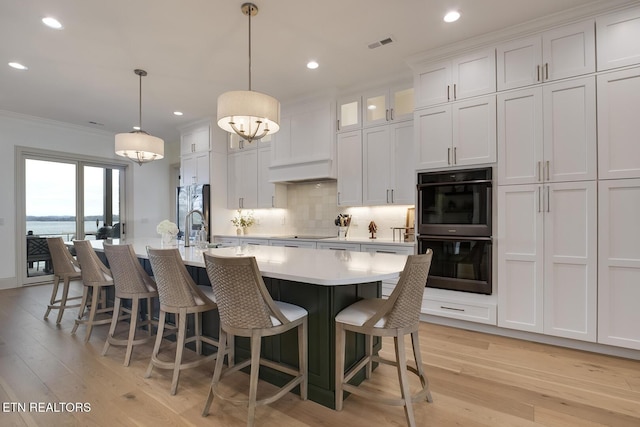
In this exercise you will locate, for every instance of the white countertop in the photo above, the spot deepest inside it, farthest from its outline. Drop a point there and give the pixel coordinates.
(315, 266)
(364, 240)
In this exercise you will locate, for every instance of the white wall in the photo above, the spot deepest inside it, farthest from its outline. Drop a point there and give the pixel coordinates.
(148, 205)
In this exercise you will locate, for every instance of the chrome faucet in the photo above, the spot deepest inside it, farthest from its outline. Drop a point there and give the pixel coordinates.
(187, 232)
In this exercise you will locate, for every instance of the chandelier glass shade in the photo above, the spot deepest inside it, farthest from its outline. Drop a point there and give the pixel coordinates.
(250, 114)
(138, 145)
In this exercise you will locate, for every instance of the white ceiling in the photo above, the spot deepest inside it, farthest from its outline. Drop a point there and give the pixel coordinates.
(194, 50)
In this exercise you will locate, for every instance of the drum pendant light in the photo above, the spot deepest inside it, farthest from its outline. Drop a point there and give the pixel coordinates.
(138, 145)
(252, 115)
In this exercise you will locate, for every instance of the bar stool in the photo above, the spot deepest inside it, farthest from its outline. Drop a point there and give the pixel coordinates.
(65, 269)
(179, 295)
(96, 278)
(132, 283)
(397, 316)
(246, 309)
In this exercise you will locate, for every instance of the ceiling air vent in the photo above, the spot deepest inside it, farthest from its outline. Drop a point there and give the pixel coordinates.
(382, 42)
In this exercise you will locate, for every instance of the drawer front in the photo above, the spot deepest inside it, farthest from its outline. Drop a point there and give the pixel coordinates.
(226, 241)
(339, 246)
(293, 243)
(472, 312)
(388, 249)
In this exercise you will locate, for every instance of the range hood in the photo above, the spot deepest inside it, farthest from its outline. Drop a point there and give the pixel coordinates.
(307, 171)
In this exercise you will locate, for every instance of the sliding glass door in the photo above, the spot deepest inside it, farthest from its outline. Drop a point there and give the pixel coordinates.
(70, 198)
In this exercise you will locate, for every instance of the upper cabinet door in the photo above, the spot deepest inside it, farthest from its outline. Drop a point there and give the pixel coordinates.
(473, 74)
(384, 106)
(569, 51)
(433, 136)
(195, 140)
(349, 113)
(519, 63)
(618, 124)
(618, 35)
(570, 130)
(555, 54)
(432, 84)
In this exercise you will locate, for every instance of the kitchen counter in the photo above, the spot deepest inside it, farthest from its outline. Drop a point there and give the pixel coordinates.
(324, 282)
(318, 267)
(361, 240)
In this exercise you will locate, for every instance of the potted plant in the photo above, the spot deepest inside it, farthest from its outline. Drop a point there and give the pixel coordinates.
(242, 221)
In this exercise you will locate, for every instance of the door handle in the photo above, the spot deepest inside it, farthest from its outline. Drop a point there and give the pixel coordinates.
(448, 97)
(391, 111)
(392, 195)
(547, 170)
(386, 114)
(448, 156)
(538, 73)
(548, 199)
(539, 199)
(546, 71)
(387, 195)
(455, 96)
(455, 155)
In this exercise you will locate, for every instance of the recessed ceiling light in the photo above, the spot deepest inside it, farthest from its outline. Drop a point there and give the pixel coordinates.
(312, 65)
(452, 16)
(177, 113)
(17, 66)
(52, 23)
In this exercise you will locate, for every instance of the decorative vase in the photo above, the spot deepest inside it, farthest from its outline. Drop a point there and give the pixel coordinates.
(168, 240)
(239, 231)
(245, 230)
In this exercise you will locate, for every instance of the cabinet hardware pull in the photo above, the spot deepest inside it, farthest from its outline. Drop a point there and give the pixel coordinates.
(538, 73)
(546, 70)
(547, 166)
(385, 252)
(538, 172)
(455, 155)
(338, 198)
(338, 124)
(539, 200)
(548, 201)
(448, 156)
(444, 307)
(448, 98)
(387, 195)
(392, 195)
(338, 249)
(454, 91)
(391, 111)
(386, 114)
(273, 205)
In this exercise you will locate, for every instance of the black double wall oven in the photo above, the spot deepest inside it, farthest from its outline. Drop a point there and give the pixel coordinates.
(454, 220)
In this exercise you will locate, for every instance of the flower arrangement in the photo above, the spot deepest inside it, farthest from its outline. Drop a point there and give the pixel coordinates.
(167, 227)
(242, 221)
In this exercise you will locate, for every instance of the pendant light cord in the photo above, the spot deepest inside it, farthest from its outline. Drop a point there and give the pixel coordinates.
(140, 104)
(250, 7)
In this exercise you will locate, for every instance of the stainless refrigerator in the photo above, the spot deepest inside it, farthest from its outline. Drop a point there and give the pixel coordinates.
(191, 197)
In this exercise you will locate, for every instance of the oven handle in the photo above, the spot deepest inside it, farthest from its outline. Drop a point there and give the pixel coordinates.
(460, 238)
(433, 184)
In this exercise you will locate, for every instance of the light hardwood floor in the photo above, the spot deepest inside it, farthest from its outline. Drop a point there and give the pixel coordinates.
(476, 380)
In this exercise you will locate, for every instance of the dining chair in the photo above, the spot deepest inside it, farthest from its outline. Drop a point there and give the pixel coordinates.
(132, 283)
(247, 310)
(66, 270)
(395, 317)
(179, 295)
(96, 278)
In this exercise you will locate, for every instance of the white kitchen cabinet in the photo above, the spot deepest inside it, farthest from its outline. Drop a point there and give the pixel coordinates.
(618, 35)
(270, 195)
(388, 170)
(226, 242)
(454, 79)
(338, 246)
(242, 180)
(236, 143)
(555, 54)
(349, 113)
(457, 134)
(304, 147)
(294, 243)
(547, 258)
(548, 134)
(349, 159)
(195, 168)
(387, 285)
(619, 263)
(618, 124)
(195, 140)
(252, 241)
(388, 105)
(195, 146)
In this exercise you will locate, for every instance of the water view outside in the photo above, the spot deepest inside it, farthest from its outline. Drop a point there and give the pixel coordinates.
(64, 229)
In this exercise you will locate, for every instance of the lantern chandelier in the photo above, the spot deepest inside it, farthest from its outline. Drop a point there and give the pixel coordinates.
(138, 145)
(251, 115)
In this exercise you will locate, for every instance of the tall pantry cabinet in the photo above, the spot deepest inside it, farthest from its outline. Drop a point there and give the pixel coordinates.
(619, 179)
(547, 201)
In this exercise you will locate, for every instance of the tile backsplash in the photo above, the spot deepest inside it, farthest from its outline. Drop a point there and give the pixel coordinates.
(312, 209)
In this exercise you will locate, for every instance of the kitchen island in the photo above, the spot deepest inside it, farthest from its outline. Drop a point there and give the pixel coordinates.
(323, 282)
